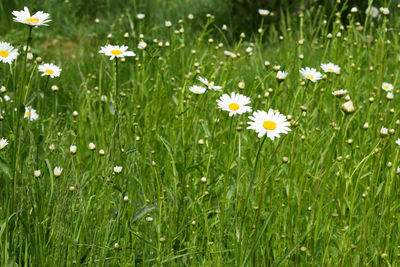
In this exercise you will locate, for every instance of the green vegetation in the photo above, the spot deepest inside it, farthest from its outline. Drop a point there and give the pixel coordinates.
(197, 188)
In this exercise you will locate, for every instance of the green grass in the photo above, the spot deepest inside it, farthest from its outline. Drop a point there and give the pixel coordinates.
(325, 194)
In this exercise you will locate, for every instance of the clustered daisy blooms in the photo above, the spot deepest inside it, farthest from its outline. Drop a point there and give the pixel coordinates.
(50, 70)
(311, 74)
(235, 103)
(272, 124)
(115, 51)
(330, 68)
(210, 85)
(38, 19)
(7, 53)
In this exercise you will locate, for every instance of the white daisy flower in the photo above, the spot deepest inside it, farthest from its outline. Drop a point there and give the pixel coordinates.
(168, 23)
(339, 93)
(354, 10)
(281, 75)
(50, 70)
(387, 87)
(31, 114)
(115, 51)
(374, 12)
(7, 98)
(38, 19)
(57, 171)
(7, 53)
(390, 95)
(229, 54)
(263, 12)
(385, 11)
(383, 131)
(198, 90)
(235, 104)
(3, 143)
(140, 16)
(210, 85)
(117, 169)
(311, 74)
(398, 141)
(330, 67)
(272, 124)
(348, 107)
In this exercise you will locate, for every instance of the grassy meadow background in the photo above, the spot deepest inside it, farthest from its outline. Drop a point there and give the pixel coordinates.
(325, 194)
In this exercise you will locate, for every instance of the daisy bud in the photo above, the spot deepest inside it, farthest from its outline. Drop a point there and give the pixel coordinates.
(366, 126)
(72, 149)
(347, 98)
(281, 37)
(168, 23)
(142, 45)
(38, 59)
(224, 27)
(3, 89)
(97, 21)
(276, 67)
(52, 147)
(266, 63)
(301, 56)
(167, 44)
(190, 16)
(241, 85)
(117, 169)
(29, 56)
(389, 96)
(57, 171)
(203, 179)
(141, 36)
(385, 11)
(116, 246)
(242, 35)
(91, 146)
(54, 88)
(329, 36)
(149, 219)
(101, 152)
(71, 188)
(36, 173)
(392, 131)
(140, 16)
(348, 107)
(126, 199)
(109, 36)
(263, 12)
(389, 164)
(201, 142)
(354, 10)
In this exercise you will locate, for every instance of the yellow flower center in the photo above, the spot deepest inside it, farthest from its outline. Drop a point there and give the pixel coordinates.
(233, 106)
(28, 113)
(3, 53)
(330, 70)
(48, 71)
(116, 52)
(386, 86)
(308, 76)
(32, 20)
(269, 125)
(312, 77)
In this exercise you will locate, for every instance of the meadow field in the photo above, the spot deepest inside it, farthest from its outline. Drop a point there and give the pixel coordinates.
(199, 133)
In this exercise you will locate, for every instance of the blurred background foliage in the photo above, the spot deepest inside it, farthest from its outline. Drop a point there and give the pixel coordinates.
(74, 20)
